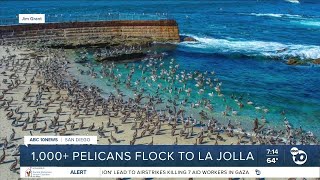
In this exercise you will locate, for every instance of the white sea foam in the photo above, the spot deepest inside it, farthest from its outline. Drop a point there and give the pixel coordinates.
(275, 15)
(293, 1)
(254, 48)
(309, 23)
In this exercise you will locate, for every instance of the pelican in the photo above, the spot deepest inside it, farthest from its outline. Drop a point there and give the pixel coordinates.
(68, 120)
(3, 156)
(151, 143)
(90, 128)
(34, 126)
(249, 102)
(200, 91)
(24, 127)
(81, 125)
(176, 141)
(14, 164)
(196, 143)
(132, 141)
(44, 128)
(234, 112)
(12, 135)
(1, 96)
(113, 138)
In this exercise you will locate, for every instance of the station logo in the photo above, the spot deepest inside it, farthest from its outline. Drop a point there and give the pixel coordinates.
(298, 156)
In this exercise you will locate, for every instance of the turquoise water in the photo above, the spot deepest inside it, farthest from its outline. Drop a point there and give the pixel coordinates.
(240, 40)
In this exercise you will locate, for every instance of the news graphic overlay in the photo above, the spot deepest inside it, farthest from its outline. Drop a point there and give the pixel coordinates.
(160, 161)
(32, 18)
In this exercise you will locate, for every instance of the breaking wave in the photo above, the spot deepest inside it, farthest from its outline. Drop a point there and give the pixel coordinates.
(274, 15)
(293, 1)
(265, 49)
(313, 23)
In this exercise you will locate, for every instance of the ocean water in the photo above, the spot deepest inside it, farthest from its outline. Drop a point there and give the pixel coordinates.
(240, 40)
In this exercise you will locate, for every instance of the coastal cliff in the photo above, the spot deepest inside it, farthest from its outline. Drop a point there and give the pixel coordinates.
(100, 33)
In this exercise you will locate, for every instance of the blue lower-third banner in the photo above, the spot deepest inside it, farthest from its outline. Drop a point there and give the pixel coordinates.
(169, 156)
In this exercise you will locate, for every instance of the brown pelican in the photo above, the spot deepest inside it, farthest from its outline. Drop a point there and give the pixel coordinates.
(173, 132)
(34, 125)
(132, 141)
(25, 126)
(10, 114)
(216, 142)
(12, 135)
(14, 164)
(1, 96)
(109, 141)
(44, 128)
(91, 128)
(151, 143)
(116, 129)
(134, 125)
(143, 133)
(101, 134)
(62, 132)
(176, 141)
(113, 138)
(81, 125)
(201, 139)
(72, 125)
(16, 152)
(109, 122)
(135, 134)
(196, 143)
(68, 120)
(3, 156)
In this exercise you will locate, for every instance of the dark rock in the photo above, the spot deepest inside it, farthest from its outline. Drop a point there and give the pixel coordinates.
(293, 61)
(316, 61)
(188, 38)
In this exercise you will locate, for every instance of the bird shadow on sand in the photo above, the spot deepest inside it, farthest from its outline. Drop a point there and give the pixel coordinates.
(47, 132)
(120, 131)
(18, 138)
(6, 162)
(15, 170)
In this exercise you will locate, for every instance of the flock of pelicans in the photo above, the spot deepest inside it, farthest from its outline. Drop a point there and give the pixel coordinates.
(39, 95)
(117, 51)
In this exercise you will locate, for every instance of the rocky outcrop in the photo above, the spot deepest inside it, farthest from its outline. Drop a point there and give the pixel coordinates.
(298, 61)
(293, 61)
(187, 39)
(316, 61)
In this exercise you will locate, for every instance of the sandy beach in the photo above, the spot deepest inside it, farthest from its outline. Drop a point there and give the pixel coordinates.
(22, 72)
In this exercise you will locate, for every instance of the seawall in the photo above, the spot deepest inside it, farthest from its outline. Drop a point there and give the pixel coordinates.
(92, 33)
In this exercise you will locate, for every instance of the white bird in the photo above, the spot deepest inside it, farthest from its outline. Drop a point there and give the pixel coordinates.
(200, 91)
(250, 103)
(234, 112)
